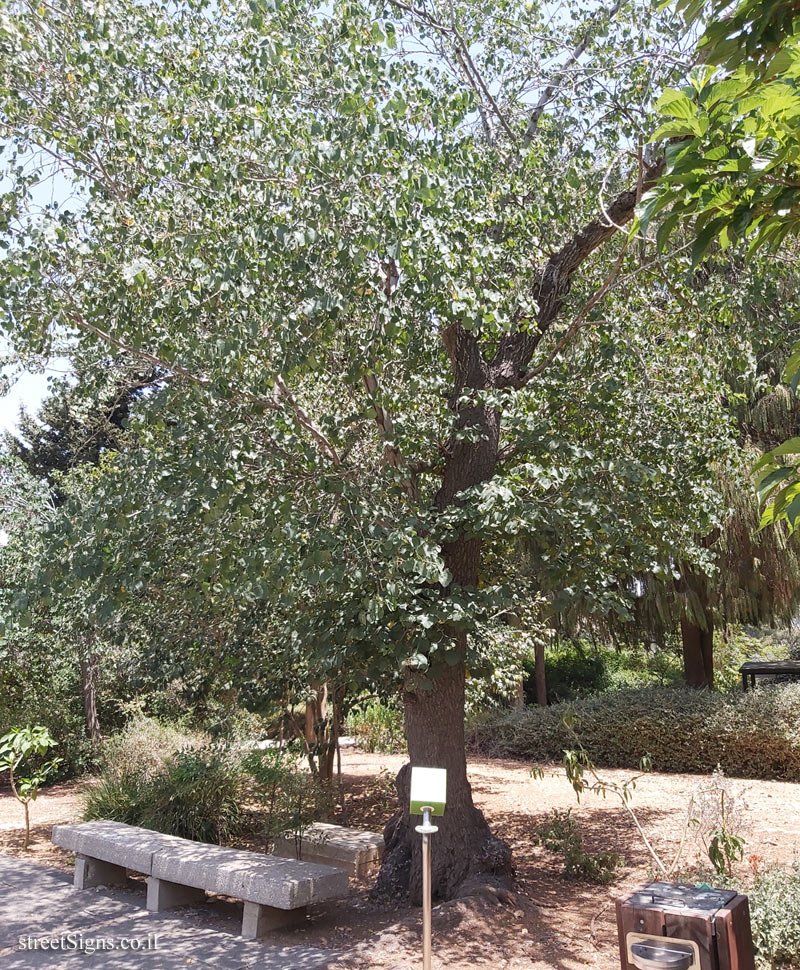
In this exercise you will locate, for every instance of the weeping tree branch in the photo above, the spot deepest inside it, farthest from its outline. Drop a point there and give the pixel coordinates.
(282, 392)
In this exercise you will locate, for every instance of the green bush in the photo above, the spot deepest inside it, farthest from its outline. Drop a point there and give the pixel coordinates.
(377, 727)
(198, 795)
(144, 745)
(195, 792)
(165, 778)
(560, 835)
(752, 735)
(577, 669)
(119, 797)
(288, 798)
(573, 670)
(775, 911)
(644, 668)
(32, 675)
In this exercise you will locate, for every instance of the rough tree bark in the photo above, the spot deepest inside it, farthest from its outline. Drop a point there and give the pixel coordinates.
(540, 673)
(89, 676)
(322, 718)
(698, 652)
(697, 627)
(466, 854)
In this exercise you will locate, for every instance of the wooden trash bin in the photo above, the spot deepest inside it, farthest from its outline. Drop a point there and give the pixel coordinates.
(669, 926)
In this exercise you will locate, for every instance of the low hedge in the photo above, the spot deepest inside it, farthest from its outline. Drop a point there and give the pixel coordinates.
(750, 735)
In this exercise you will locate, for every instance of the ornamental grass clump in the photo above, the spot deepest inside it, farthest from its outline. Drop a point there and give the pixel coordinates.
(164, 778)
(197, 795)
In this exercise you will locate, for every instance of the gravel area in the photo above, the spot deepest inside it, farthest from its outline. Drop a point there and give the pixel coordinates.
(552, 922)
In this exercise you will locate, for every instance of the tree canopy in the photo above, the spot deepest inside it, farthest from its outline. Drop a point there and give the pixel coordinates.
(376, 259)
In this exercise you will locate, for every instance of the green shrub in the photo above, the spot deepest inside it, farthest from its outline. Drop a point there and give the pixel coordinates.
(288, 798)
(195, 792)
(560, 834)
(573, 670)
(33, 673)
(119, 796)
(577, 669)
(144, 745)
(644, 668)
(197, 795)
(753, 735)
(775, 911)
(377, 727)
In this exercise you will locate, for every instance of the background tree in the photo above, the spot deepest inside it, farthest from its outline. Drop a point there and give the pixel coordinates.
(754, 574)
(732, 166)
(76, 425)
(636, 571)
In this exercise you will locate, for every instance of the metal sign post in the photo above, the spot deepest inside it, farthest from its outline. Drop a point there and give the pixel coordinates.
(426, 830)
(428, 796)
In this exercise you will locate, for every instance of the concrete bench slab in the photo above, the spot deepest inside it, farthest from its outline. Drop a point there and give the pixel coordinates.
(276, 891)
(281, 883)
(41, 903)
(114, 842)
(353, 850)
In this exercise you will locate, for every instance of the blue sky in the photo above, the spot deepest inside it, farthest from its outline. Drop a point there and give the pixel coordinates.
(30, 389)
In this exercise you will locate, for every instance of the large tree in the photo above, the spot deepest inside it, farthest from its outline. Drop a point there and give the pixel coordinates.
(752, 575)
(714, 401)
(352, 263)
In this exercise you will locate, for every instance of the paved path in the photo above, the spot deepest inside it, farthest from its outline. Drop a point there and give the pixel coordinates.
(40, 904)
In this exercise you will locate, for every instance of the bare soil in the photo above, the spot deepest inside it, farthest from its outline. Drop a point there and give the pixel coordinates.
(550, 922)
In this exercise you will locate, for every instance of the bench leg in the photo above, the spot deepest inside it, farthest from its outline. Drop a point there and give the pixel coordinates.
(162, 895)
(258, 919)
(91, 872)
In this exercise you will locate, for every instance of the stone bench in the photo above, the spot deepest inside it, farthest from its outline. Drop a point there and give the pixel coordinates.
(353, 850)
(276, 891)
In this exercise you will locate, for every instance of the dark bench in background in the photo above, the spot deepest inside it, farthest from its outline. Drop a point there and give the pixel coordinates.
(768, 668)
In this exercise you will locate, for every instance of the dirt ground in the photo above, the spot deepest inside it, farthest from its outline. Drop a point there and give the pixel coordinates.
(553, 923)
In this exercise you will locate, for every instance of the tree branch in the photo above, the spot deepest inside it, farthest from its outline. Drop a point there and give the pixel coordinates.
(306, 421)
(391, 453)
(514, 353)
(463, 57)
(547, 95)
(282, 390)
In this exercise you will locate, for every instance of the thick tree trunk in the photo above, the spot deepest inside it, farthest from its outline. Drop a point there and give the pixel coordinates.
(89, 677)
(540, 674)
(698, 653)
(464, 846)
(697, 627)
